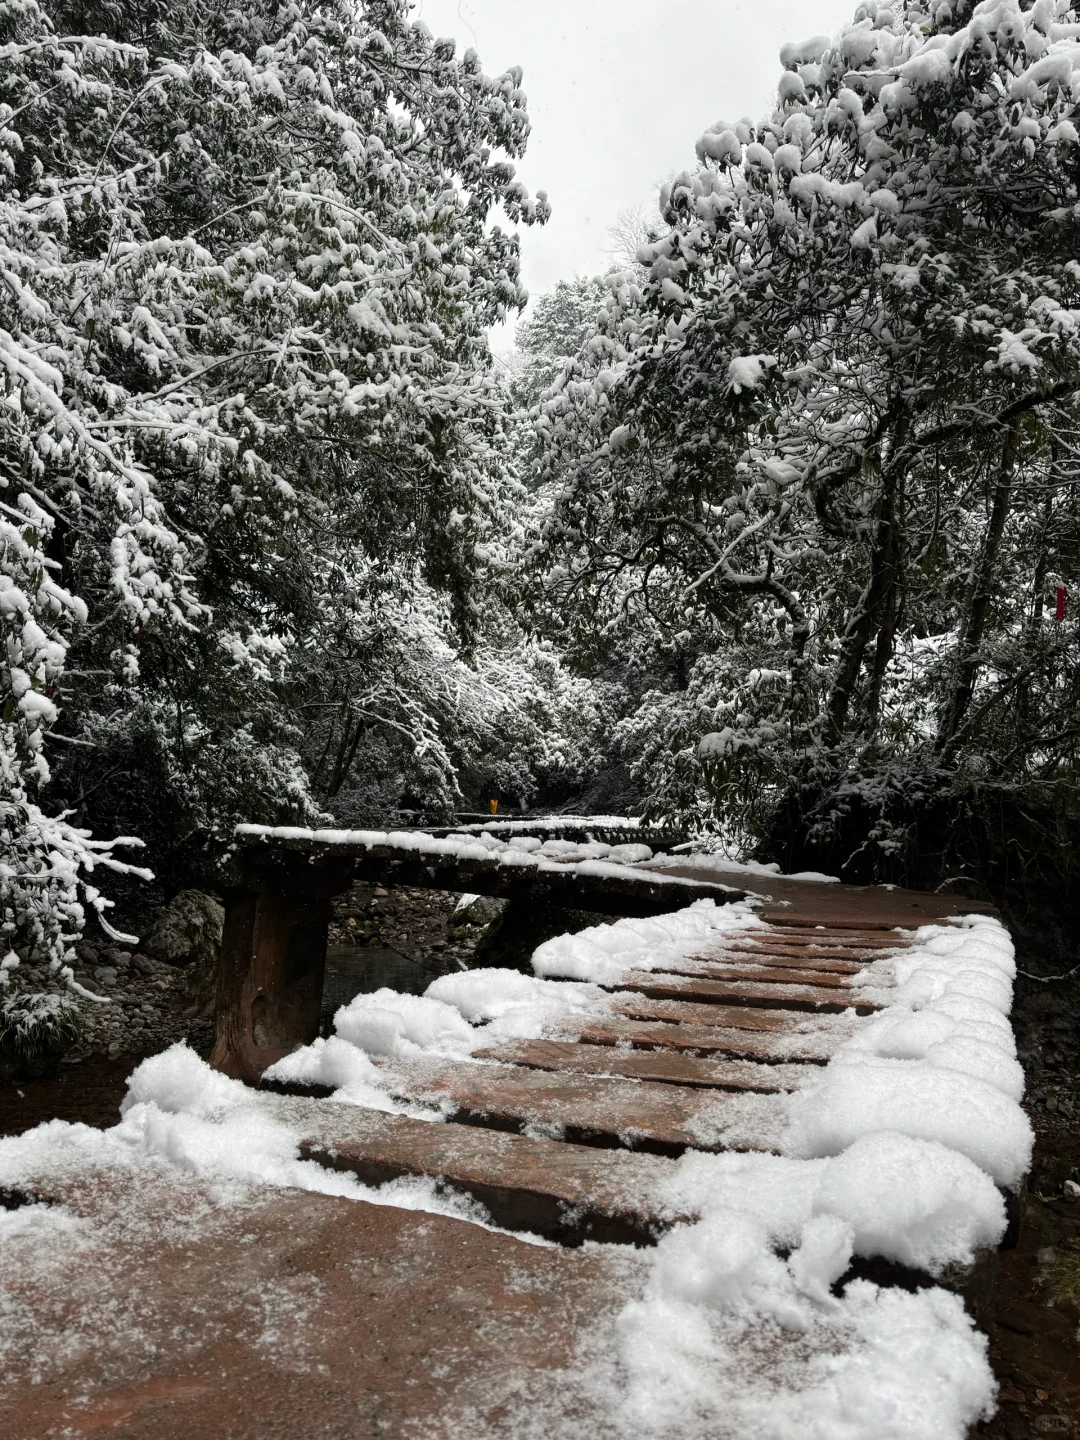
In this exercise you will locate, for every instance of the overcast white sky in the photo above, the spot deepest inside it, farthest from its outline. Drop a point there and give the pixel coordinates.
(619, 91)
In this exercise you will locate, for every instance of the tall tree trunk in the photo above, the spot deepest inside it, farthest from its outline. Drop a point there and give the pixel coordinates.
(980, 594)
(346, 751)
(891, 610)
(869, 610)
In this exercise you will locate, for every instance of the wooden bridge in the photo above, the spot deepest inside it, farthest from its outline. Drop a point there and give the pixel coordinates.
(651, 1076)
(609, 828)
(423, 1323)
(277, 913)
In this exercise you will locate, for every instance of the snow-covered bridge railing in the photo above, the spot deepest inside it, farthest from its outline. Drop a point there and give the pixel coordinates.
(282, 882)
(609, 829)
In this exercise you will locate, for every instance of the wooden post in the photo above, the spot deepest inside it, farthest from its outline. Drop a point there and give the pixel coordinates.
(273, 957)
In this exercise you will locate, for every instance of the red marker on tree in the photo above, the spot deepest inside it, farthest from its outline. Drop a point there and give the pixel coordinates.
(1062, 596)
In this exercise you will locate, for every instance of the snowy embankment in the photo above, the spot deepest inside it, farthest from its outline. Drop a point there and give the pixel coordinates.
(897, 1148)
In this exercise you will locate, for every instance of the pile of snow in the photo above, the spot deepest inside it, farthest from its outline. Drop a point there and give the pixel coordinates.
(702, 1348)
(388, 1023)
(939, 1061)
(457, 1014)
(183, 1118)
(730, 1340)
(740, 1328)
(716, 860)
(604, 952)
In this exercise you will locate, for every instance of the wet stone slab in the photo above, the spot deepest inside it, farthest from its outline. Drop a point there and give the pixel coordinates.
(663, 1067)
(167, 1315)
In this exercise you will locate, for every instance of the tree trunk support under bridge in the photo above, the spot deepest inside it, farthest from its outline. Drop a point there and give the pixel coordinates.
(278, 909)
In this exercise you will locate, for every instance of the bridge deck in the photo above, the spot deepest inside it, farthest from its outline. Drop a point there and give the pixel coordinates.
(281, 882)
(576, 1112)
(339, 1318)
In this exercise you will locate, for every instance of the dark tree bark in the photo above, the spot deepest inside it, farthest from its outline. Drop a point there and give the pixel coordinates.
(980, 594)
(871, 609)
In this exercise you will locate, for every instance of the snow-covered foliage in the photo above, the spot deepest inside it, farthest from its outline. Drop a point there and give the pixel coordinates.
(822, 446)
(38, 1027)
(553, 335)
(248, 263)
(397, 712)
(45, 861)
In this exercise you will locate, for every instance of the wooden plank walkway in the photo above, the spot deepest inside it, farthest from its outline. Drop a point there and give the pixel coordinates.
(683, 1061)
(394, 1322)
(661, 1074)
(690, 1057)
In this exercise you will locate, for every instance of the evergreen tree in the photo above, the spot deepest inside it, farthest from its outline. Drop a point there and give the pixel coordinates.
(248, 266)
(819, 434)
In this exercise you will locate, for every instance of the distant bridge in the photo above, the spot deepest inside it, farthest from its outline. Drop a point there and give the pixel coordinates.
(612, 829)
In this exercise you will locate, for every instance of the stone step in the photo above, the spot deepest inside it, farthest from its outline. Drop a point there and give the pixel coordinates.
(667, 1067)
(800, 953)
(720, 990)
(566, 1192)
(842, 958)
(774, 973)
(591, 1109)
(814, 963)
(294, 1316)
(738, 1017)
(844, 942)
(700, 1039)
(836, 925)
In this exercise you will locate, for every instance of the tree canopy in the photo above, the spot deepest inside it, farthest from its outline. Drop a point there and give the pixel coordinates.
(248, 263)
(770, 532)
(823, 438)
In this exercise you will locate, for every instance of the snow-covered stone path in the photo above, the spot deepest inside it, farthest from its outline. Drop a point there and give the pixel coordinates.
(810, 1133)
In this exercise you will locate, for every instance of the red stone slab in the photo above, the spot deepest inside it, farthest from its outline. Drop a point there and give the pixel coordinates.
(821, 921)
(817, 962)
(775, 974)
(294, 1316)
(808, 951)
(567, 1192)
(685, 1012)
(590, 1109)
(665, 1067)
(790, 942)
(840, 907)
(794, 935)
(702, 1040)
(723, 991)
